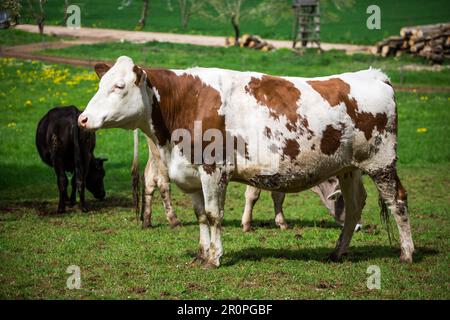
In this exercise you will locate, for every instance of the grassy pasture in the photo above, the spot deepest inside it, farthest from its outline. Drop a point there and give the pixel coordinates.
(13, 37)
(119, 260)
(346, 26)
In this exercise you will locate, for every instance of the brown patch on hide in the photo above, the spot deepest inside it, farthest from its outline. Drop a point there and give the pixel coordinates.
(277, 94)
(336, 91)
(291, 149)
(280, 96)
(401, 192)
(331, 140)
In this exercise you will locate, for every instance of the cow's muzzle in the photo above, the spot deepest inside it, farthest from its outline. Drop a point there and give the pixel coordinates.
(82, 121)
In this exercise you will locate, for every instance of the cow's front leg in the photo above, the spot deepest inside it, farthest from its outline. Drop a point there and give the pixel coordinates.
(214, 183)
(199, 209)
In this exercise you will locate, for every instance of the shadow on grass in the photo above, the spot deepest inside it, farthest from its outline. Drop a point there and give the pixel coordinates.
(321, 254)
(48, 208)
(270, 224)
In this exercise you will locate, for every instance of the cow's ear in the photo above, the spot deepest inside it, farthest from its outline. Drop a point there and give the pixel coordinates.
(103, 159)
(140, 75)
(101, 69)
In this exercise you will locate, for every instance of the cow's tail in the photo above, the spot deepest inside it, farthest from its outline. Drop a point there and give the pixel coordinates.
(135, 173)
(385, 218)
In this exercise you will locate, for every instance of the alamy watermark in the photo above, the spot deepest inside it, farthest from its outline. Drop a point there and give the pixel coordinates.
(73, 17)
(74, 280)
(374, 280)
(374, 20)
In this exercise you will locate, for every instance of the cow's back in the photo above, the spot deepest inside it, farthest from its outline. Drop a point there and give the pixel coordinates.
(55, 133)
(309, 129)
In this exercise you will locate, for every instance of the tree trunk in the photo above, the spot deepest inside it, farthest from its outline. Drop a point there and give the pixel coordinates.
(66, 16)
(236, 30)
(41, 27)
(184, 12)
(141, 23)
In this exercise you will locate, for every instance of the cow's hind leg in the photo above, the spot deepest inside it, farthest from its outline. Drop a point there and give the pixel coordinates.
(394, 196)
(73, 194)
(149, 187)
(205, 240)
(350, 181)
(62, 186)
(164, 189)
(251, 196)
(278, 199)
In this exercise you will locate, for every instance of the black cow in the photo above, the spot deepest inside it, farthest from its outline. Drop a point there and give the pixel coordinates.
(67, 148)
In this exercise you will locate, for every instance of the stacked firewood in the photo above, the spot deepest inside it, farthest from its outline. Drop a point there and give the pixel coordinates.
(429, 41)
(250, 41)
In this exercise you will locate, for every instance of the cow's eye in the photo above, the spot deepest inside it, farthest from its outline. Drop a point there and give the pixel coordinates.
(119, 86)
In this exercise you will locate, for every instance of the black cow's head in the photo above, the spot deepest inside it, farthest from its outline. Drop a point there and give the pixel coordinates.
(94, 179)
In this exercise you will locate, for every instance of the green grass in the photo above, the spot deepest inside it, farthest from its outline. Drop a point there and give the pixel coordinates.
(120, 260)
(279, 62)
(13, 37)
(350, 26)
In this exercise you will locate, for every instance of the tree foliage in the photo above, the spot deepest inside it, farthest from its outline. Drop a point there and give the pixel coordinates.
(13, 8)
(37, 10)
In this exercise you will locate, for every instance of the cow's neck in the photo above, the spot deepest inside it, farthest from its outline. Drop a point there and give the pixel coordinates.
(175, 102)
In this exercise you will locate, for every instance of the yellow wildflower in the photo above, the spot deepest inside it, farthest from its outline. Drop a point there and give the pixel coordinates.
(421, 130)
(28, 103)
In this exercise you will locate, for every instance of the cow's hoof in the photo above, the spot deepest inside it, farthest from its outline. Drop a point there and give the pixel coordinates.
(147, 225)
(71, 204)
(283, 226)
(210, 265)
(406, 258)
(174, 223)
(60, 211)
(84, 209)
(247, 227)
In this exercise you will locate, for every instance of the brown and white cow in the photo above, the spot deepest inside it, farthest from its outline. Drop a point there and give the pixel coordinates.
(306, 130)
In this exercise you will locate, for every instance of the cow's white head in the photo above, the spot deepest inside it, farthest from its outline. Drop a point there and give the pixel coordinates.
(122, 97)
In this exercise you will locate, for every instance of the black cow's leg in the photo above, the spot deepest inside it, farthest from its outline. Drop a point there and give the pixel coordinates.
(73, 194)
(66, 194)
(62, 186)
(80, 187)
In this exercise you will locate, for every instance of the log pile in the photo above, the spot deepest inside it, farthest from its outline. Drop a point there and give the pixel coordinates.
(429, 41)
(250, 41)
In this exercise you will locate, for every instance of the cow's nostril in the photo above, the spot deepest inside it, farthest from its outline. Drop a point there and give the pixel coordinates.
(82, 120)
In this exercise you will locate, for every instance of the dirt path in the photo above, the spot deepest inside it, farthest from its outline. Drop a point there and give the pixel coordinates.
(27, 51)
(102, 35)
(90, 36)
